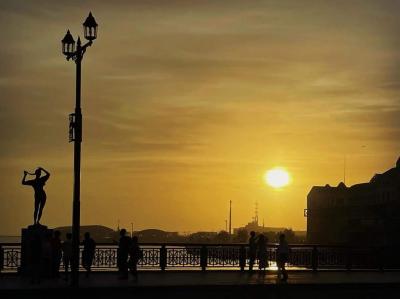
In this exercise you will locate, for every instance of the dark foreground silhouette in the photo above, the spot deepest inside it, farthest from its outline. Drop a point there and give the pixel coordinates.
(129, 254)
(214, 284)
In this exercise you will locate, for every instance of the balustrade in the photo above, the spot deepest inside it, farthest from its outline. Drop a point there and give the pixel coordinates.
(218, 256)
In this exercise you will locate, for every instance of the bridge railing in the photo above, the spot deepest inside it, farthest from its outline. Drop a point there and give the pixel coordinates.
(166, 256)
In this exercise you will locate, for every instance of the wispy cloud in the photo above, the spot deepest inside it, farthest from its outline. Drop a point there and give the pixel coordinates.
(199, 96)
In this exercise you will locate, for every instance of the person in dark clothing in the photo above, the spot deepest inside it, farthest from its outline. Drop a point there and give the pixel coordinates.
(36, 258)
(135, 254)
(67, 254)
(252, 250)
(262, 252)
(56, 254)
(123, 252)
(89, 249)
(282, 256)
(40, 196)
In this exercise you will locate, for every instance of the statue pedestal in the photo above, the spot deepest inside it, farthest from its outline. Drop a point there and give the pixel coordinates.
(39, 234)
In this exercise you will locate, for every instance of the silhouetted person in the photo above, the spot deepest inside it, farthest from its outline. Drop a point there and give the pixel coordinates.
(89, 249)
(135, 254)
(262, 252)
(36, 258)
(123, 252)
(56, 254)
(67, 254)
(40, 196)
(282, 256)
(252, 250)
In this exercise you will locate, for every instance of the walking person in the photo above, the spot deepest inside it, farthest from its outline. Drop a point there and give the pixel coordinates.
(282, 256)
(122, 254)
(56, 254)
(135, 254)
(89, 249)
(67, 254)
(40, 196)
(262, 252)
(252, 250)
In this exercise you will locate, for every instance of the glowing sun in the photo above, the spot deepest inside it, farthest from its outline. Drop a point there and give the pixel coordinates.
(277, 177)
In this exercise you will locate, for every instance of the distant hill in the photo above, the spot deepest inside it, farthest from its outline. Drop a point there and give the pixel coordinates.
(100, 233)
(10, 239)
(104, 234)
(274, 229)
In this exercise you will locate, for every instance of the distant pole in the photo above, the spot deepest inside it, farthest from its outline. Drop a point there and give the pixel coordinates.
(256, 213)
(131, 229)
(230, 216)
(344, 169)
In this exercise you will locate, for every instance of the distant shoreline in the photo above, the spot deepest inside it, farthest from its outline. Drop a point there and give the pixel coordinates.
(10, 239)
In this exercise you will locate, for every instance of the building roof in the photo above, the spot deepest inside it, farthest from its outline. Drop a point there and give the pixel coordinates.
(387, 176)
(327, 188)
(360, 187)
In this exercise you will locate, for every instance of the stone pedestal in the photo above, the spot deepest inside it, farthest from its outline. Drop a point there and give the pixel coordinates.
(28, 236)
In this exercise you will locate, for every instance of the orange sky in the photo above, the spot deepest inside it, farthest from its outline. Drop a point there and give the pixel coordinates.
(187, 103)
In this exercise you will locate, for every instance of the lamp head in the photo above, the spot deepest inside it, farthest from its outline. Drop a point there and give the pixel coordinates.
(90, 28)
(68, 44)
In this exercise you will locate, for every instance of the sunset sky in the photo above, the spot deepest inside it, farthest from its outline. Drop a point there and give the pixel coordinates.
(187, 104)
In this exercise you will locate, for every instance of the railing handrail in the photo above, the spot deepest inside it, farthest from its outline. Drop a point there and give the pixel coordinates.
(185, 244)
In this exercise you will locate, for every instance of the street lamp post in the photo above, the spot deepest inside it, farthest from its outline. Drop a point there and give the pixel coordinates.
(75, 131)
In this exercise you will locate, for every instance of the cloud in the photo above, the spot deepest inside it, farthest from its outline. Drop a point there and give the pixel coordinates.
(197, 92)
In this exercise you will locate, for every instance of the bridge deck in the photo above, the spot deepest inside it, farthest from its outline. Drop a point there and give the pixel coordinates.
(172, 284)
(211, 278)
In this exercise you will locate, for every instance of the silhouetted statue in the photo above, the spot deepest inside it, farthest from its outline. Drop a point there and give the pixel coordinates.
(67, 254)
(135, 254)
(56, 254)
(40, 196)
(262, 252)
(282, 256)
(252, 250)
(89, 249)
(123, 252)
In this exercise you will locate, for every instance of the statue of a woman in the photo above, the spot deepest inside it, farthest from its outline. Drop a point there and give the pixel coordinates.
(40, 196)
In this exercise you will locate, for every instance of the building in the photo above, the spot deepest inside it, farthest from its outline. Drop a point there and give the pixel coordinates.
(363, 214)
(251, 226)
(256, 227)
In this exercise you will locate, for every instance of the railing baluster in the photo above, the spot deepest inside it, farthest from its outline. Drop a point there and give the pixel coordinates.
(1, 258)
(203, 257)
(242, 257)
(349, 257)
(314, 258)
(381, 258)
(163, 257)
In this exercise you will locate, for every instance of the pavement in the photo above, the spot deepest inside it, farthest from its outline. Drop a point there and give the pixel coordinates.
(212, 284)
